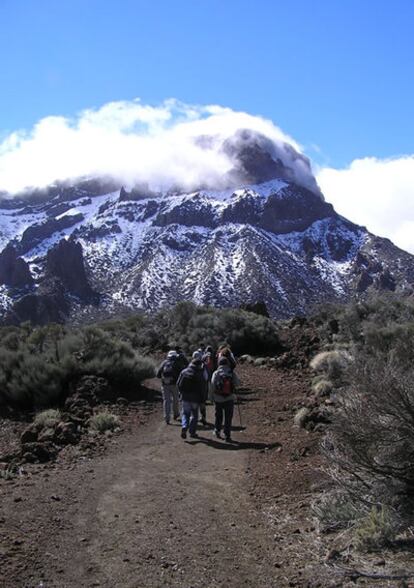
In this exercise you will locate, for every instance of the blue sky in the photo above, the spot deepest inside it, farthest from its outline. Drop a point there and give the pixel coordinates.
(336, 75)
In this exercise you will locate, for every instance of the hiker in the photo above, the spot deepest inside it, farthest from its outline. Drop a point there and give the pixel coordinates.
(225, 351)
(223, 386)
(209, 361)
(169, 371)
(207, 378)
(183, 361)
(191, 386)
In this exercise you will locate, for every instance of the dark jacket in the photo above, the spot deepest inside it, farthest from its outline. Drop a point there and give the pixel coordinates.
(191, 382)
(170, 369)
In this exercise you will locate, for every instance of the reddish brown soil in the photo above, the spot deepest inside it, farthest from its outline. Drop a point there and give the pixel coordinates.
(147, 509)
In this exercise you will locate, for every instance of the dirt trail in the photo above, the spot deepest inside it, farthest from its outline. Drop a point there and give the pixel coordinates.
(154, 510)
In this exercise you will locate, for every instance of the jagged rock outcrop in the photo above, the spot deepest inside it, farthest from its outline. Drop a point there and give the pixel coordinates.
(14, 271)
(65, 262)
(35, 234)
(47, 305)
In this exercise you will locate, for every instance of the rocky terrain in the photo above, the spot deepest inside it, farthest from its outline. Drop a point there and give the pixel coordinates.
(144, 507)
(93, 248)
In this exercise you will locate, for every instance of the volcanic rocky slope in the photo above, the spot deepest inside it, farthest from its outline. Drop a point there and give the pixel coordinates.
(95, 248)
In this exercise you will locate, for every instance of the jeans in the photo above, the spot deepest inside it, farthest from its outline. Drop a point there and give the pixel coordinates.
(170, 395)
(224, 408)
(190, 416)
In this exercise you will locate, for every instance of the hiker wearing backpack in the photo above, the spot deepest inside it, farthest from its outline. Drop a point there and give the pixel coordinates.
(223, 386)
(209, 361)
(182, 360)
(191, 386)
(225, 351)
(169, 371)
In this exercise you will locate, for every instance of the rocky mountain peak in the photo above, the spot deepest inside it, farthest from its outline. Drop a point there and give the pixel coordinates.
(14, 271)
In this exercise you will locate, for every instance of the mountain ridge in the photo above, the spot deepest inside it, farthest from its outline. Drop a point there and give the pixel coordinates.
(271, 240)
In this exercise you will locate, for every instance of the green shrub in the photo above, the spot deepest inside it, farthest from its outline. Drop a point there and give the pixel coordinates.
(323, 387)
(376, 530)
(337, 510)
(331, 363)
(104, 421)
(40, 366)
(47, 418)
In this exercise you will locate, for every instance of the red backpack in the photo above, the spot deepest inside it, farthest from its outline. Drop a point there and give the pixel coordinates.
(225, 385)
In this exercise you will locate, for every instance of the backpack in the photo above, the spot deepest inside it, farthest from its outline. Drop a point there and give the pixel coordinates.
(225, 386)
(170, 372)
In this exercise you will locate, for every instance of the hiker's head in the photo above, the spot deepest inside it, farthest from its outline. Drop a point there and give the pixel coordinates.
(223, 361)
(196, 356)
(209, 349)
(171, 354)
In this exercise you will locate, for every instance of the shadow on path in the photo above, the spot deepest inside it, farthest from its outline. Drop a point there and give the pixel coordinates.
(234, 445)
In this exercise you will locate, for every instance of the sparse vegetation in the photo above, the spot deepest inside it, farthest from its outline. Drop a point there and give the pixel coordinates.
(377, 529)
(104, 421)
(369, 447)
(47, 418)
(39, 365)
(332, 364)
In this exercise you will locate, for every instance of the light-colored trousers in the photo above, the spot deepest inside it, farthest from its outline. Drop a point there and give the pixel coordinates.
(170, 396)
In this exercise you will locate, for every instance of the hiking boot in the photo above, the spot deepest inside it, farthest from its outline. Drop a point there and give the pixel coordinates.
(216, 434)
(193, 435)
(183, 434)
(229, 440)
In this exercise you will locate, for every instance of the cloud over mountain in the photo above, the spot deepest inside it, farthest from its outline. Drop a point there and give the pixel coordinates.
(173, 144)
(377, 193)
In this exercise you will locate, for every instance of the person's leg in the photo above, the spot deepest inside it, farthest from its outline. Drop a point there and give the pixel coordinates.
(176, 406)
(203, 413)
(185, 418)
(193, 418)
(228, 417)
(166, 398)
(218, 418)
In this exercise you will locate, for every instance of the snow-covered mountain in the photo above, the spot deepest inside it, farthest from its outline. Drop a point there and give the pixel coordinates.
(93, 248)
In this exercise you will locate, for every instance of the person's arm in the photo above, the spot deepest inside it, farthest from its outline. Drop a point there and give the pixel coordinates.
(159, 372)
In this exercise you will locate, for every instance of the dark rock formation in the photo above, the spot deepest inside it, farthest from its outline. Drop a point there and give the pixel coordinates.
(191, 212)
(48, 305)
(65, 262)
(14, 271)
(35, 234)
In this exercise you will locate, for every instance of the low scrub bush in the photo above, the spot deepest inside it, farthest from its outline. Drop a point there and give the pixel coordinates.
(39, 367)
(376, 530)
(104, 421)
(189, 325)
(333, 364)
(370, 445)
(47, 418)
(322, 387)
(337, 510)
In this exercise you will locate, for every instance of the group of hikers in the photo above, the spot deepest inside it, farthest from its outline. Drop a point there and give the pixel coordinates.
(208, 376)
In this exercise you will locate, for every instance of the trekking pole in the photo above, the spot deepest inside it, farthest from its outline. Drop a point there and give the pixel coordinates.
(240, 417)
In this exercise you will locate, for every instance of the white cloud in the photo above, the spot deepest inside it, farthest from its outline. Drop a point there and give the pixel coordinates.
(377, 193)
(136, 143)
